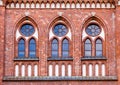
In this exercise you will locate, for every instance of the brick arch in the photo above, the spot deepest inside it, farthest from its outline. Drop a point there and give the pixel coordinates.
(64, 20)
(18, 24)
(98, 20)
(23, 19)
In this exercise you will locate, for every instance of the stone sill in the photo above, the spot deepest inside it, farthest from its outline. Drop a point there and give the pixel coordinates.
(93, 58)
(60, 59)
(66, 78)
(26, 59)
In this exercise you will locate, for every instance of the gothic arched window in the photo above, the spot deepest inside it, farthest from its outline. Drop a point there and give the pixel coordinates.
(88, 48)
(54, 48)
(21, 48)
(27, 46)
(99, 47)
(65, 48)
(32, 48)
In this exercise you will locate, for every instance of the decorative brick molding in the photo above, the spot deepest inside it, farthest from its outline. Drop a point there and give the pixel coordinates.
(72, 78)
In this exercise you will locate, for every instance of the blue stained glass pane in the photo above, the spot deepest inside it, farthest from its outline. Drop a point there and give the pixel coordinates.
(98, 53)
(32, 48)
(65, 54)
(32, 41)
(54, 53)
(60, 30)
(88, 48)
(88, 53)
(32, 54)
(27, 30)
(99, 47)
(54, 48)
(93, 30)
(21, 48)
(21, 54)
(65, 48)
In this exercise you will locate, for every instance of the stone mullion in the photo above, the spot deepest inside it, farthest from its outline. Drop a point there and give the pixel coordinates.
(60, 49)
(26, 48)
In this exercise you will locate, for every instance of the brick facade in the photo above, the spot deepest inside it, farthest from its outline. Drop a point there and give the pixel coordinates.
(43, 19)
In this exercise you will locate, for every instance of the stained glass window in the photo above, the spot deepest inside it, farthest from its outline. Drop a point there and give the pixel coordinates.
(21, 48)
(88, 48)
(32, 48)
(93, 30)
(65, 48)
(54, 48)
(27, 30)
(98, 47)
(60, 30)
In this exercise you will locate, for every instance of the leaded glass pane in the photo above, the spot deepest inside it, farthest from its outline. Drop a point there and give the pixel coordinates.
(88, 47)
(99, 47)
(54, 54)
(21, 48)
(65, 54)
(27, 30)
(65, 48)
(98, 53)
(60, 30)
(54, 48)
(32, 48)
(93, 30)
(87, 53)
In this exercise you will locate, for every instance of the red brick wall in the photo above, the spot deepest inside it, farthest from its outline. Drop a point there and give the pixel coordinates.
(118, 42)
(43, 19)
(2, 42)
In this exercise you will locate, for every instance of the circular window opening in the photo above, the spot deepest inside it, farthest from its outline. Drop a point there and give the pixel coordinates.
(60, 30)
(27, 30)
(93, 30)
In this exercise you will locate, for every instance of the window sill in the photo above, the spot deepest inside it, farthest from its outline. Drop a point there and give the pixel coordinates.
(26, 59)
(60, 59)
(66, 78)
(93, 58)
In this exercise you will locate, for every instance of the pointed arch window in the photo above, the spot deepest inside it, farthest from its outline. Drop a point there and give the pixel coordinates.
(60, 44)
(21, 48)
(99, 47)
(54, 48)
(65, 48)
(88, 48)
(27, 35)
(32, 48)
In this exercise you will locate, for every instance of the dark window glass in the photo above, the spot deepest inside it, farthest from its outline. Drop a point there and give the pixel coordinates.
(54, 48)
(21, 48)
(32, 48)
(93, 30)
(88, 48)
(99, 47)
(27, 30)
(65, 48)
(60, 30)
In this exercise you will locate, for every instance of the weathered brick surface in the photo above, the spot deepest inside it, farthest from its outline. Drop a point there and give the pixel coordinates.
(2, 41)
(43, 18)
